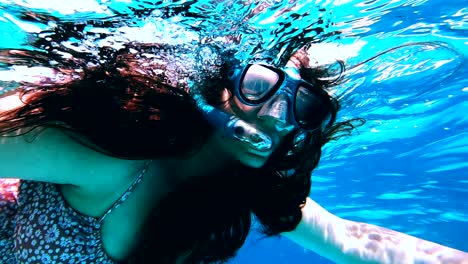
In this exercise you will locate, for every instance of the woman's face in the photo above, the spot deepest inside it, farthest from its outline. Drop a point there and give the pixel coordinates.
(271, 118)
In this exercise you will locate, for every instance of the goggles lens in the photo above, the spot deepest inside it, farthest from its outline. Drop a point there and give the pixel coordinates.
(258, 82)
(310, 110)
(311, 105)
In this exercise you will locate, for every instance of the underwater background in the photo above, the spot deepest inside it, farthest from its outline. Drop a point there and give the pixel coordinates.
(406, 70)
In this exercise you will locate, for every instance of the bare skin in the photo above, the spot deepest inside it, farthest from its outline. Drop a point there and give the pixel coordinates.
(344, 241)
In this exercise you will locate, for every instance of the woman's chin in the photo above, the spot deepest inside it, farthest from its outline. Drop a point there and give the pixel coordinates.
(253, 161)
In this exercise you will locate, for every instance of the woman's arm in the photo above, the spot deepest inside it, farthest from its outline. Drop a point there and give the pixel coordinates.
(344, 241)
(52, 156)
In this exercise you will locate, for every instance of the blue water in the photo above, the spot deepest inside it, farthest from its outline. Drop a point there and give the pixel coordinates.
(406, 169)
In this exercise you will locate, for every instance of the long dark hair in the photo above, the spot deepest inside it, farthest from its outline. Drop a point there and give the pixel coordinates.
(130, 106)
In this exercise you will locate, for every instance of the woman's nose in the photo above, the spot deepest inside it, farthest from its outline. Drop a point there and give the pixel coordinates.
(276, 110)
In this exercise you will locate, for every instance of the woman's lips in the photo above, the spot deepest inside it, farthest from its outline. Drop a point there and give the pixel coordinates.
(259, 153)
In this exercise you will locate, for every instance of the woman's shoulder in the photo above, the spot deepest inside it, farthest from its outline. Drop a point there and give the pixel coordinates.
(52, 156)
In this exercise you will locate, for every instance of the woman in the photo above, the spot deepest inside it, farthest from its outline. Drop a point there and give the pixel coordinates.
(140, 158)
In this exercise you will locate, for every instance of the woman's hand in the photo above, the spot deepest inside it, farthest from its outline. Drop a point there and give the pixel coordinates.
(344, 241)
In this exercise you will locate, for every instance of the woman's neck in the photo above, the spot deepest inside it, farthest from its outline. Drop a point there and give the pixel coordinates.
(209, 159)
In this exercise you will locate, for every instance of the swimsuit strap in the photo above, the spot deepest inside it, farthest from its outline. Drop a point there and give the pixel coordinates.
(128, 192)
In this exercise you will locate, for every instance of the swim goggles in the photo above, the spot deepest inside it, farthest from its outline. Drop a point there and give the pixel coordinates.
(254, 85)
(309, 106)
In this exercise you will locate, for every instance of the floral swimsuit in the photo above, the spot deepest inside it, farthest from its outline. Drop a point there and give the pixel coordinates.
(37, 225)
